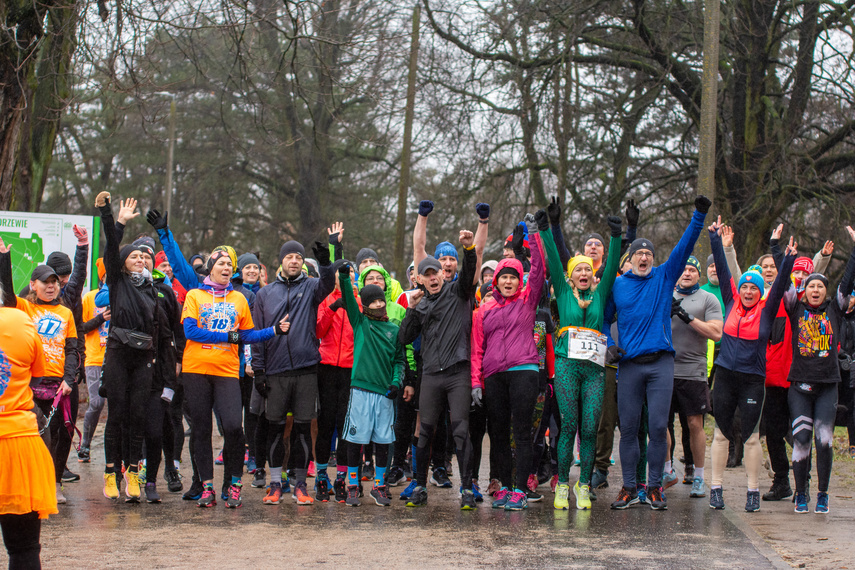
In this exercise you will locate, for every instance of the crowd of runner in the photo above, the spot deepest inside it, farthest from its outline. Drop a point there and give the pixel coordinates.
(326, 368)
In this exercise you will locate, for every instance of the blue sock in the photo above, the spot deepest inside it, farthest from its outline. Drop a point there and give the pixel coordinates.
(379, 476)
(321, 469)
(235, 480)
(413, 459)
(353, 476)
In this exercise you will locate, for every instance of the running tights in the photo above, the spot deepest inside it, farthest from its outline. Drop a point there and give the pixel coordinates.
(813, 414)
(509, 398)
(21, 537)
(127, 377)
(745, 392)
(333, 393)
(155, 413)
(579, 387)
(276, 447)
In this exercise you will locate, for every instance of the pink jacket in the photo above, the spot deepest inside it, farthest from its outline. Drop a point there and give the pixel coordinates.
(503, 329)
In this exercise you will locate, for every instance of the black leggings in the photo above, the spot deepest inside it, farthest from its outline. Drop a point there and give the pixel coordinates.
(509, 398)
(354, 454)
(250, 420)
(63, 446)
(736, 390)
(455, 387)
(775, 423)
(333, 393)
(21, 537)
(405, 428)
(202, 395)
(156, 412)
(302, 434)
(173, 428)
(477, 429)
(127, 374)
(813, 414)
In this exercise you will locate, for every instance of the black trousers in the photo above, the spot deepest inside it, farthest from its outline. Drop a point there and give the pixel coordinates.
(127, 376)
(21, 537)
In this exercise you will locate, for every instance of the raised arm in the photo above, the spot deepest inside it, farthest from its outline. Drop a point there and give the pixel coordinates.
(73, 290)
(351, 307)
(676, 263)
(483, 211)
(844, 289)
(181, 269)
(465, 283)
(554, 262)
(724, 278)
(610, 272)
(420, 232)
(112, 261)
(730, 252)
(326, 271)
(553, 210)
(822, 257)
(779, 287)
(9, 298)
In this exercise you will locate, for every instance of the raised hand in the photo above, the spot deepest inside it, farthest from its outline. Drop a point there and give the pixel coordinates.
(336, 232)
(157, 221)
(543, 219)
(827, 249)
(483, 210)
(6, 249)
(127, 211)
(467, 238)
(322, 253)
(614, 226)
(792, 247)
(425, 207)
(554, 211)
(81, 235)
(632, 213)
(102, 199)
(776, 234)
(851, 232)
(702, 204)
(726, 236)
(715, 227)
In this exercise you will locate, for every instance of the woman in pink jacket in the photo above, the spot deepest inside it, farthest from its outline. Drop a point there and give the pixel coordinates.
(505, 366)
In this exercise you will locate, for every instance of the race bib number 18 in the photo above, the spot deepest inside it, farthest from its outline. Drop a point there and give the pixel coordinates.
(586, 344)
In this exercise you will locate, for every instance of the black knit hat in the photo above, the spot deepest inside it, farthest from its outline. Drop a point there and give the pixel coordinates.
(371, 293)
(595, 236)
(291, 247)
(366, 253)
(59, 262)
(641, 243)
(127, 251)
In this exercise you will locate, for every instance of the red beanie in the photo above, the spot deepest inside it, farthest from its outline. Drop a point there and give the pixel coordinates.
(803, 264)
(159, 258)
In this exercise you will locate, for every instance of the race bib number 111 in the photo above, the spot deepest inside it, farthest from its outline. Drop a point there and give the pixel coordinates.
(586, 344)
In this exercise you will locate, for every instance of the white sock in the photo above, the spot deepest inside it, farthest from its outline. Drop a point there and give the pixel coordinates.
(716, 487)
(753, 490)
(699, 472)
(667, 467)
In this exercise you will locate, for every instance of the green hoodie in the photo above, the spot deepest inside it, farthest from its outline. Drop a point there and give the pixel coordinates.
(378, 357)
(395, 311)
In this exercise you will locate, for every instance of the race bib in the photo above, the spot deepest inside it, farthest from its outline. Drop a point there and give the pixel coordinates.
(586, 344)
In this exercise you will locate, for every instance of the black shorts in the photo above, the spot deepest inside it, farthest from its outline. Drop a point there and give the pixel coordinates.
(295, 394)
(691, 397)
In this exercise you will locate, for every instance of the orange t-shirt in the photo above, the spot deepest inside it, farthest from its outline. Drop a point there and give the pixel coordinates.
(54, 324)
(218, 314)
(21, 358)
(96, 341)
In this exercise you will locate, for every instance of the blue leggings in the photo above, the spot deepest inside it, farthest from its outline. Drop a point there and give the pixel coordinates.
(655, 380)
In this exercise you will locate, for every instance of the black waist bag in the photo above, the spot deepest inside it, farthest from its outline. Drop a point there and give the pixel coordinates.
(132, 339)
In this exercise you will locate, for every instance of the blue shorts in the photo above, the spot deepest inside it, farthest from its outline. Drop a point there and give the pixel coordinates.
(370, 418)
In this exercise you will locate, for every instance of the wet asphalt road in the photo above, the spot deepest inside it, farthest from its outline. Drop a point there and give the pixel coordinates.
(93, 532)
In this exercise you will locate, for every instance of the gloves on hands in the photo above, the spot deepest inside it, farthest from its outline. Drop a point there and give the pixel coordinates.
(518, 237)
(392, 392)
(632, 213)
(614, 226)
(157, 220)
(260, 383)
(322, 253)
(477, 394)
(481, 208)
(234, 337)
(677, 310)
(554, 211)
(337, 304)
(425, 207)
(102, 199)
(542, 218)
(614, 353)
(702, 204)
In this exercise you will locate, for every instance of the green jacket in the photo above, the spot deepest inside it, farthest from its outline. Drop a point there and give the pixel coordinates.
(569, 311)
(395, 311)
(378, 358)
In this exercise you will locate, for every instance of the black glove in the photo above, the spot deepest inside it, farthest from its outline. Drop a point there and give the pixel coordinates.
(542, 219)
(614, 353)
(334, 238)
(483, 210)
(675, 306)
(554, 211)
(102, 390)
(277, 328)
(615, 225)
(678, 311)
(234, 337)
(344, 269)
(517, 239)
(632, 213)
(322, 253)
(702, 204)
(425, 207)
(260, 382)
(157, 220)
(392, 392)
(337, 304)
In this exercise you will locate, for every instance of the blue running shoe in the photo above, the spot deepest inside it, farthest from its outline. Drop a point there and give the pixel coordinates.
(717, 498)
(407, 493)
(642, 494)
(251, 465)
(821, 503)
(501, 498)
(476, 490)
(517, 501)
(285, 481)
(801, 503)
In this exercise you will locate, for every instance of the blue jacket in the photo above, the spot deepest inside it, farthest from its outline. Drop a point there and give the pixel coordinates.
(643, 304)
(299, 298)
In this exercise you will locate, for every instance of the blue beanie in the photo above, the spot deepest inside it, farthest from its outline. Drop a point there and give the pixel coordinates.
(751, 277)
(694, 262)
(446, 248)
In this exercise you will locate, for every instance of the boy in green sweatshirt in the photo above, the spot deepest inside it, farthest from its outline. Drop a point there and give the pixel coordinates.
(378, 367)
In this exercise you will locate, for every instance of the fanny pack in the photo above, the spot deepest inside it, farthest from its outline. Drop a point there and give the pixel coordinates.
(131, 338)
(649, 358)
(46, 389)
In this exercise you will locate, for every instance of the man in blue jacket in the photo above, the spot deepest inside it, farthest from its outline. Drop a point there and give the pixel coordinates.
(642, 302)
(285, 368)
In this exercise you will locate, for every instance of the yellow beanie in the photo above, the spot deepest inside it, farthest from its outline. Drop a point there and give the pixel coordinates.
(571, 265)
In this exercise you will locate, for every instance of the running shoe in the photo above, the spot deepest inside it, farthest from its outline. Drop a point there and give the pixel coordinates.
(583, 496)
(657, 498)
(380, 496)
(352, 496)
(440, 478)
(408, 492)
(533, 496)
(626, 497)
(132, 487)
(699, 488)
(340, 490)
(219, 459)
(151, 495)
(395, 476)
(69, 477)
(141, 472)
(802, 503)
(173, 480)
(752, 502)
(83, 455)
(234, 500)
(111, 489)
(322, 488)
(516, 502)
(562, 493)
(419, 497)
(367, 471)
(532, 482)
(274, 494)
(476, 490)
(208, 498)
(194, 492)
(493, 487)
(717, 498)
(312, 472)
(641, 490)
(467, 500)
(259, 479)
(251, 466)
(852, 452)
(501, 498)
(599, 479)
(285, 482)
(301, 494)
(780, 489)
(669, 479)
(60, 498)
(689, 475)
(821, 503)
(224, 492)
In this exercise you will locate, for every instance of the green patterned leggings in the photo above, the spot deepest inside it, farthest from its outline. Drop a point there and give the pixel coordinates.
(579, 387)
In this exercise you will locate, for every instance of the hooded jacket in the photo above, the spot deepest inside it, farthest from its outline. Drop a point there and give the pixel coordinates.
(503, 329)
(299, 298)
(394, 311)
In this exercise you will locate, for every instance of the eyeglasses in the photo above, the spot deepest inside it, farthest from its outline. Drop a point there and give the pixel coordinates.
(594, 243)
(643, 254)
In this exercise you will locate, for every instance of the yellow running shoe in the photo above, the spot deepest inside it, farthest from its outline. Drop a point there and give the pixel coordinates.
(583, 496)
(132, 487)
(111, 489)
(562, 491)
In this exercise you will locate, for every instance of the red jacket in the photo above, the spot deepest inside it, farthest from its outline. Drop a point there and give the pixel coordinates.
(779, 352)
(335, 333)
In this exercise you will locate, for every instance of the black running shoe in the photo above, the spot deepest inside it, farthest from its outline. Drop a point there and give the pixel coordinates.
(234, 499)
(780, 490)
(69, 477)
(322, 488)
(259, 480)
(83, 455)
(467, 500)
(626, 497)
(173, 481)
(194, 492)
(419, 497)
(151, 495)
(533, 496)
(340, 488)
(380, 496)
(395, 476)
(657, 498)
(352, 496)
(440, 478)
